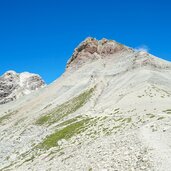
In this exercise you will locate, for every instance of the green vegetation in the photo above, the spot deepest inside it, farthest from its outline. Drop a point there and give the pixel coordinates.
(103, 118)
(108, 132)
(67, 122)
(65, 133)
(29, 159)
(43, 119)
(168, 111)
(160, 118)
(151, 115)
(3, 118)
(128, 120)
(66, 108)
(119, 119)
(116, 111)
(7, 116)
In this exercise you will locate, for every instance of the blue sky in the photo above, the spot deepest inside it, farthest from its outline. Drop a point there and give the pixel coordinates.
(40, 35)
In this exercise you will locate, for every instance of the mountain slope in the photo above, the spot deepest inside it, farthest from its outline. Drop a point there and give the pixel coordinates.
(110, 110)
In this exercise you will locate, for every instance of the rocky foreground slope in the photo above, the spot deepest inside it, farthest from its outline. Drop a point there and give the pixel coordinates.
(109, 111)
(14, 85)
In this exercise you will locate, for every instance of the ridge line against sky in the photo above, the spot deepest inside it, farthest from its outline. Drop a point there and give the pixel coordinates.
(40, 36)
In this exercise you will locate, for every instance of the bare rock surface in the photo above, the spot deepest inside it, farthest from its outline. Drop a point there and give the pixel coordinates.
(91, 49)
(14, 85)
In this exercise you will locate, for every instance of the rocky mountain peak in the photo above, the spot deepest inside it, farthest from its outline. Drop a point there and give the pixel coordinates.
(14, 85)
(91, 49)
(10, 75)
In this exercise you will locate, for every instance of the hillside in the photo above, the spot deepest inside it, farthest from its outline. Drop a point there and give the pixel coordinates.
(110, 110)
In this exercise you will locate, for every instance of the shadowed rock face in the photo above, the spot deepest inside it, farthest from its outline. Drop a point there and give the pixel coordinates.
(14, 85)
(91, 49)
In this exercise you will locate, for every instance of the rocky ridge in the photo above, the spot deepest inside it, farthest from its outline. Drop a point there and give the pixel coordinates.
(91, 49)
(14, 85)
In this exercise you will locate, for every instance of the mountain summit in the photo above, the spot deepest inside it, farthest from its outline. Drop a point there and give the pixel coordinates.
(91, 49)
(109, 111)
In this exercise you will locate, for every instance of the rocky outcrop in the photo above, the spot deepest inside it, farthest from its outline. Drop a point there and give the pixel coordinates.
(14, 85)
(91, 49)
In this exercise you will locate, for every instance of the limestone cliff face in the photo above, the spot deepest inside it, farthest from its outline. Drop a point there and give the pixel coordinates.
(14, 85)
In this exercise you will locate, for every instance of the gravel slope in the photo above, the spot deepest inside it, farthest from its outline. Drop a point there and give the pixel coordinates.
(110, 113)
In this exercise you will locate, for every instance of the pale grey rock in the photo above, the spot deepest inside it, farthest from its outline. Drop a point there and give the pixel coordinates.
(14, 85)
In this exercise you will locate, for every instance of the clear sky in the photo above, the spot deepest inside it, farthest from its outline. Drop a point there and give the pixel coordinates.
(40, 35)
